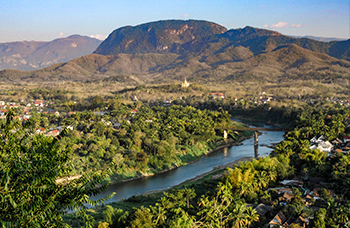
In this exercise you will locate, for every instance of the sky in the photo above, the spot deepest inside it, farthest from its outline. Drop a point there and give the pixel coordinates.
(45, 20)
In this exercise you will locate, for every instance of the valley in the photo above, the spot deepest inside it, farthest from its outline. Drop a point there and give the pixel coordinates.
(156, 96)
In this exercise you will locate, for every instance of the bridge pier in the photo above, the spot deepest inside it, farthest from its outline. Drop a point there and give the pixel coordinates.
(255, 129)
(256, 144)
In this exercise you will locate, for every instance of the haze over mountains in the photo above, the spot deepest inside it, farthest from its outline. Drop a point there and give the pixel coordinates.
(200, 51)
(31, 55)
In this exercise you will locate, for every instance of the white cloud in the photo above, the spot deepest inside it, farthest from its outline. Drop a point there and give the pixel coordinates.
(99, 36)
(280, 24)
(296, 25)
(61, 34)
(266, 26)
(186, 15)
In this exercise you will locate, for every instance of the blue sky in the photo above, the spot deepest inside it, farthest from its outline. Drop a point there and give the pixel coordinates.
(43, 20)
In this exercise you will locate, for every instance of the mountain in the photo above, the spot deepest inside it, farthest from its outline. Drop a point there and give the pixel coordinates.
(191, 37)
(157, 37)
(201, 51)
(31, 55)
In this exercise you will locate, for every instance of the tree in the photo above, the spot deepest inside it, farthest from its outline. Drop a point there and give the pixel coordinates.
(142, 218)
(319, 220)
(225, 209)
(31, 194)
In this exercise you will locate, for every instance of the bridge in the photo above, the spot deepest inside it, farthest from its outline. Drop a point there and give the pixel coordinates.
(252, 129)
(256, 130)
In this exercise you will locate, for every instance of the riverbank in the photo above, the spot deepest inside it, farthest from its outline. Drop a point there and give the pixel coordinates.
(224, 144)
(151, 197)
(259, 120)
(202, 175)
(214, 177)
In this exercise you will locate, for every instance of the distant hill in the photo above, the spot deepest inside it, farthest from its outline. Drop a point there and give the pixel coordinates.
(323, 39)
(201, 51)
(31, 55)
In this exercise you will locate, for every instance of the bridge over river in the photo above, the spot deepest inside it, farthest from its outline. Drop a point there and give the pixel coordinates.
(256, 134)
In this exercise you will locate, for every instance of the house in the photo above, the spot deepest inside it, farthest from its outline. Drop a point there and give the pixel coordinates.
(53, 133)
(302, 222)
(217, 95)
(325, 146)
(265, 100)
(134, 111)
(286, 197)
(168, 101)
(40, 130)
(320, 144)
(336, 143)
(317, 140)
(2, 112)
(39, 103)
(307, 199)
(13, 106)
(283, 190)
(17, 117)
(278, 220)
(262, 209)
(292, 183)
(26, 116)
(55, 113)
(346, 139)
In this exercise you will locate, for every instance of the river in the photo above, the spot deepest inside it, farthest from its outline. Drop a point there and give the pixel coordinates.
(205, 164)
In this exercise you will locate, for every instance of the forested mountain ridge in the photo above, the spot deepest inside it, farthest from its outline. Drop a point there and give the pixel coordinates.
(157, 37)
(31, 55)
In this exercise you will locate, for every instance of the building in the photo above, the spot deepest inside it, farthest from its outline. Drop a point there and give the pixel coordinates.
(185, 84)
(217, 95)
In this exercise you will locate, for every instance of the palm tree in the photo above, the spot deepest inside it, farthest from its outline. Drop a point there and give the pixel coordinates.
(241, 180)
(159, 213)
(251, 215)
(239, 217)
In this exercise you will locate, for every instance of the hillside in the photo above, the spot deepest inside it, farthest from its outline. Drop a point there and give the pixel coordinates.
(31, 55)
(284, 63)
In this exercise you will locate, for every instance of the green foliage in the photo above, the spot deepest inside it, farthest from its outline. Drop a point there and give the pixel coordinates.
(30, 167)
(257, 175)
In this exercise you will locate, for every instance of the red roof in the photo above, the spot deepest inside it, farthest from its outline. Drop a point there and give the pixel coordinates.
(39, 102)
